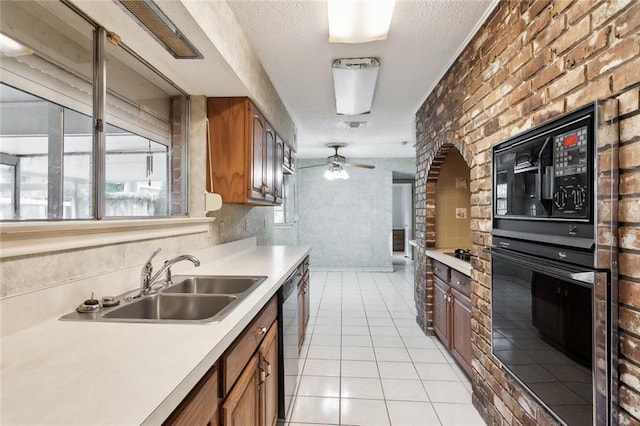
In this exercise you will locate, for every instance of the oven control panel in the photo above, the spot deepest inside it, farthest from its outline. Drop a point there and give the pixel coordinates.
(571, 173)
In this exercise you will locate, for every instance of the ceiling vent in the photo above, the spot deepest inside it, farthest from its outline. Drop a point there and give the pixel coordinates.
(159, 26)
(355, 124)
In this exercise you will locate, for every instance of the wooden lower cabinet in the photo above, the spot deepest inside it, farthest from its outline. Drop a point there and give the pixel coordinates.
(242, 405)
(452, 312)
(461, 329)
(253, 400)
(200, 407)
(441, 310)
(245, 378)
(268, 352)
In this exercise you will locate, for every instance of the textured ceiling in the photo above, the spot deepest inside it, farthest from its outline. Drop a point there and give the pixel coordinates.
(290, 38)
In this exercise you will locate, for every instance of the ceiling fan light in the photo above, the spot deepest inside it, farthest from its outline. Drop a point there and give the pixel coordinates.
(336, 171)
(359, 21)
(354, 84)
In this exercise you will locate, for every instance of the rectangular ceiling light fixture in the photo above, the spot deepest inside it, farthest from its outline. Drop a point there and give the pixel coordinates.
(159, 26)
(354, 84)
(359, 21)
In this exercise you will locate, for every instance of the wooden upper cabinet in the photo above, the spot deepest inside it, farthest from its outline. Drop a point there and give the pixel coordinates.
(258, 147)
(242, 153)
(278, 163)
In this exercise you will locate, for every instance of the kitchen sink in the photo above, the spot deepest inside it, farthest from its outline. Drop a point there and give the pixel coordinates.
(191, 299)
(203, 284)
(173, 307)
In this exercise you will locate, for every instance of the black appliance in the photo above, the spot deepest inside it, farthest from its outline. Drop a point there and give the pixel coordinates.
(288, 344)
(543, 182)
(550, 319)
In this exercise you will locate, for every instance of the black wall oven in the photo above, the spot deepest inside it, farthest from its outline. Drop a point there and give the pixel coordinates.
(549, 310)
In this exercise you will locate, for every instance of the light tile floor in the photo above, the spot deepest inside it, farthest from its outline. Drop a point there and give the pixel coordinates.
(366, 362)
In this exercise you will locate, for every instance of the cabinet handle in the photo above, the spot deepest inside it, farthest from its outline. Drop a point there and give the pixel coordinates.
(262, 376)
(268, 368)
(261, 330)
(263, 190)
(445, 296)
(459, 283)
(438, 270)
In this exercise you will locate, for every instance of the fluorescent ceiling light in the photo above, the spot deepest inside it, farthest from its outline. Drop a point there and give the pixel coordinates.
(11, 48)
(359, 21)
(354, 83)
(159, 26)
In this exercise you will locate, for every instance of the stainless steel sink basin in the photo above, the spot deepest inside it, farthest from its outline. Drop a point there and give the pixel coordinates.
(192, 299)
(176, 307)
(203, 284)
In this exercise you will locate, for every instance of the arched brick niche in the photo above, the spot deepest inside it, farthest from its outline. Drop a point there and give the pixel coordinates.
(426, 223)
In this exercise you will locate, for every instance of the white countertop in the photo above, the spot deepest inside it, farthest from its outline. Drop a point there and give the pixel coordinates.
(451, 261)
(66, 372)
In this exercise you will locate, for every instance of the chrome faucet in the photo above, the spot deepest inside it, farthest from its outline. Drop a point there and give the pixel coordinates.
(147, 279)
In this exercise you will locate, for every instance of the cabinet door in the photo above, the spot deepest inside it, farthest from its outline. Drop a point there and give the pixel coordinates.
(269, 390)
(241, 407)
(441, 310)
(461, 329)
(200, 407)
(268, 165)
(258, 159)
(301, 328)
(277, 170)
(305, 300)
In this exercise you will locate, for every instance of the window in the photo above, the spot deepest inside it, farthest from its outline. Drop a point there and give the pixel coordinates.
(285, 214)
(54, 163)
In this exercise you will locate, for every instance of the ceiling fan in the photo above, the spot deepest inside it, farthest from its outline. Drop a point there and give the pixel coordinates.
(336, 164)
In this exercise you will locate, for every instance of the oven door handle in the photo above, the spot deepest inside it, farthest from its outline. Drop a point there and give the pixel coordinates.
(584, 277)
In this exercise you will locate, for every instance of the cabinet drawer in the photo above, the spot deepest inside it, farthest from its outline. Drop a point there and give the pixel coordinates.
(237, 356)
(461, 282)
(200, 407)
(441, 270)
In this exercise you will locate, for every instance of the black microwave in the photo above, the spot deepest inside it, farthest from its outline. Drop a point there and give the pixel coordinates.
(544, 183)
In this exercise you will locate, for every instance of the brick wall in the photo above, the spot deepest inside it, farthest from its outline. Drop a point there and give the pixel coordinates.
(531, 61)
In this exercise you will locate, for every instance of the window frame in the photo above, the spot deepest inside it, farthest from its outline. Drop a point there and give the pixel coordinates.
(36, 236)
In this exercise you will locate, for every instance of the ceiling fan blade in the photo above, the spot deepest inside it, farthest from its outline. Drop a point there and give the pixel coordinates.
(309, 167)
(360, 166)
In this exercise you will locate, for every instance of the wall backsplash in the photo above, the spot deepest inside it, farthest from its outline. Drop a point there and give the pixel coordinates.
(452, 193)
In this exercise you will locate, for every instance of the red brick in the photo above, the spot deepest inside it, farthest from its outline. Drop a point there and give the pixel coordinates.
(629, 211)
(628, 21)
(629, 292)
(538, 24)
(567, 83)
(549, 34)
(580, 8)
(626, 75)
(520, 59)
(629, 155)
(605, 13)
(630, 130)
(572, 36)
(630, 183)
(616, 55)
(630, 267)
(629, 238)
(536, 63)
(630, 401)
(547, 75)
(595, 90)
(599, 40)
(630, 347)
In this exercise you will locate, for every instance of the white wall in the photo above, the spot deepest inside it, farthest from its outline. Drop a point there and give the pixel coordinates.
(348, 223)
